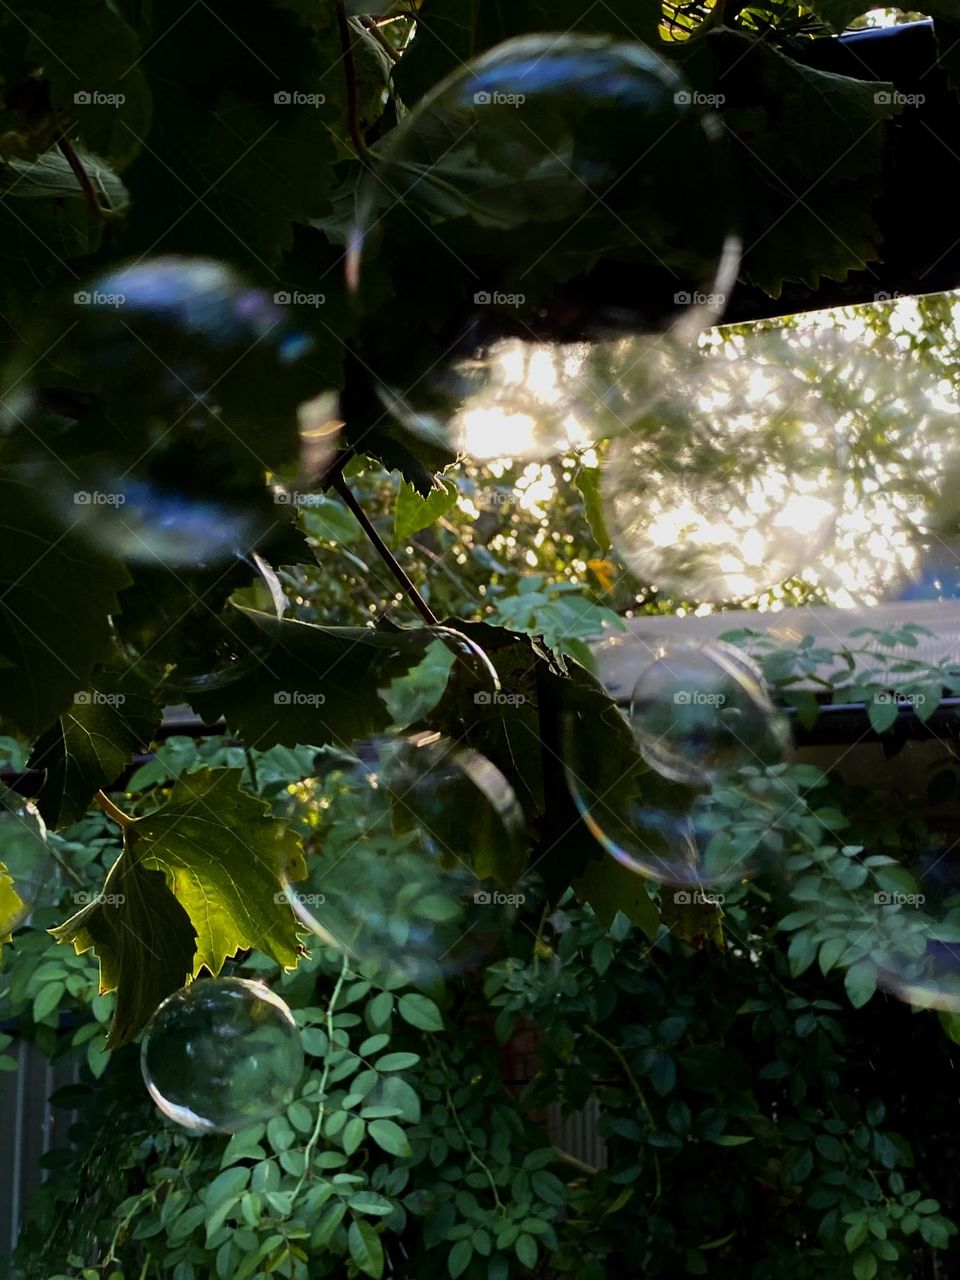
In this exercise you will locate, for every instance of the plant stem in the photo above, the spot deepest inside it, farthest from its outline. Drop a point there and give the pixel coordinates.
(122, 819)
(473, 1154)
(86, 186)
(384, 552)
(350, 74)
(315, 1136)
(251, 767)
(619, 1055)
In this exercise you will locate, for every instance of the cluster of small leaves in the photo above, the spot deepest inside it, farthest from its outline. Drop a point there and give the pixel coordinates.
(682, 1055)
(876, 673)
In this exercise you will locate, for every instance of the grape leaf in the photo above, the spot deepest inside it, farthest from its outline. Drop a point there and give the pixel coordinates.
(222, 856)
(609, 887)
(143, 939)
(807, 146)
(56, 594)
(51, 177)
(90, 57)
(693, 918)
(414, 513)
(11, 906)
(310, 684)
(89, 746)
(234, 159)
(197, 881)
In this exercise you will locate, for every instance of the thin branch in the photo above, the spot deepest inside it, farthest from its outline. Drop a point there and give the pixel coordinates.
(384, 552)
(350, 75)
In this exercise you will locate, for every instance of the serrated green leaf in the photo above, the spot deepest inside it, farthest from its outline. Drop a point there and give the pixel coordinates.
(414, 513)
(222, 856)
(143, 939)
(311, 684)
(90, 745)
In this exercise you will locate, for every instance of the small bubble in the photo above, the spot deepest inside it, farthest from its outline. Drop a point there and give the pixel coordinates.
(407, 840)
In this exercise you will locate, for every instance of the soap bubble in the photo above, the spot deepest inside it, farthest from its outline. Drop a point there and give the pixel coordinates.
(406, 839)
(27, 869)
(181, 344)
(148, 522)
(702, 800)
(701, 711)
(800, 453)
(222, 1054)
(727, 487)
(515, 168)
(174, 388)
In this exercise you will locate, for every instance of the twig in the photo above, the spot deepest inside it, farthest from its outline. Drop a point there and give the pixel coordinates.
(384, 552)
(350, 74)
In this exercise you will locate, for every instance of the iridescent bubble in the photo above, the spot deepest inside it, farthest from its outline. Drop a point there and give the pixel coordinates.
(222, 1054)
(145, 521)
(514, 169)
(407, 840)
(175, 387)
(702, 801)
(27, 868)
(701, 711)
(180, 344)
(727, 487)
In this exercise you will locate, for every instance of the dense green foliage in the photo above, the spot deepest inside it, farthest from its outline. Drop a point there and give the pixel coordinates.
(747, 1128)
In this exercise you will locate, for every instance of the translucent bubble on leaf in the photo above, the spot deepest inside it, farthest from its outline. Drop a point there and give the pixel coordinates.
(410, 842)
(726, 487)
(452, 665)
(179, 344)
(27, 868)
(514, 169)
(701, 711)
(175, 387)
(222, 1054)
(701, 801)
(142, 520)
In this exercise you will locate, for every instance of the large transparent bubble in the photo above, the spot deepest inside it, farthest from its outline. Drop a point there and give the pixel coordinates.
(701, 802)
(509, 175)
(173, 387)
(699, 712)
(27, 868)
(409, 842)
(729, 485)
(221, 1054)
(801, 454)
